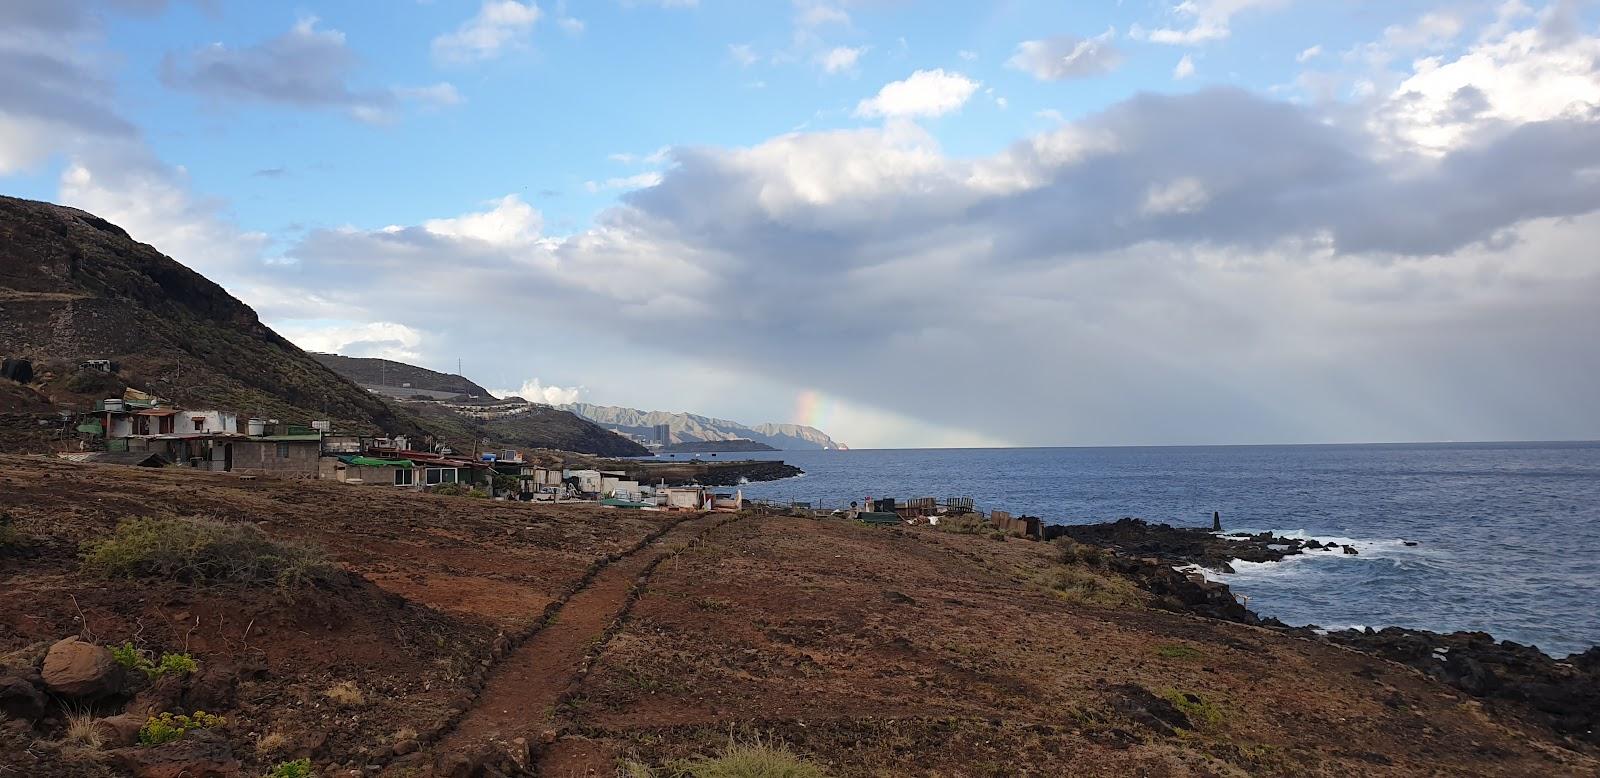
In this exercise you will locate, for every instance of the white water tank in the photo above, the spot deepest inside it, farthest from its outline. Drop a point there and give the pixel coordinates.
(257, 427)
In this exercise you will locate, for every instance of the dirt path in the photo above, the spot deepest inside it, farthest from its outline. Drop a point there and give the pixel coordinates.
(521, 694)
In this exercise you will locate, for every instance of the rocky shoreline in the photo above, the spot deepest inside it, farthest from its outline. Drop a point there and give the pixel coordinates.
(1512, 679)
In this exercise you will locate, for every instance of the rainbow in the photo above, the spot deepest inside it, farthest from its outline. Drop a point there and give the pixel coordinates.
(812, 409)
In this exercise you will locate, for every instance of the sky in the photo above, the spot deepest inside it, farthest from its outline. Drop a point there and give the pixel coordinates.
(908, 223)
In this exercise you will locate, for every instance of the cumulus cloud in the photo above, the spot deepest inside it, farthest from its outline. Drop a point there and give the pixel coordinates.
(1064, 57)
(498, 26)
(382, 339)
(925, 93)
(534, 390)
(306, 67)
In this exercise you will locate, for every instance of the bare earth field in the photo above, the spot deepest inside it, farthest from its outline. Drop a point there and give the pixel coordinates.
(467, 637)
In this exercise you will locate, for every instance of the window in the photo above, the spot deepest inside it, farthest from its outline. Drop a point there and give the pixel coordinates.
(441, 475)
(403, 476)
(283, 450)
(199, 423)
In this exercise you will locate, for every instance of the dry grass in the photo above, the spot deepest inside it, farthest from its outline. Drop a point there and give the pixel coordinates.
(81, 730)
(754, 759)
(345, 693)
(272, 743)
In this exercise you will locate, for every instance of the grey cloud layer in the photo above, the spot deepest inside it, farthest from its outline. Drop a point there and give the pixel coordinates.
(1203, 267)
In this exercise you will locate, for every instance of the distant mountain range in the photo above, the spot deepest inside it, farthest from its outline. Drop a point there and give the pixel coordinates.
(690, 427)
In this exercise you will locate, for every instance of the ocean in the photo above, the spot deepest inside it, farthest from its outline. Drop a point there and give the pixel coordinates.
(1507, 534)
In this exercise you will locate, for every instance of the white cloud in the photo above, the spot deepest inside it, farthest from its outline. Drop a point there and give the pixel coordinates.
(624, 183)
(510, 222)
(533, 390)
(1208, 20)
(926, 93)
(968, 55)
(743, 53)
(1519, 76)
(498, 26)
(1184, 68)
(818, 13)
(440, 94)
(840, 59)
(1066, 56)
(1308, 54)
(382, 339)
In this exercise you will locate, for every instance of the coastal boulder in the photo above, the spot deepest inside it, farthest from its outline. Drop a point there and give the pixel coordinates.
(74, 668)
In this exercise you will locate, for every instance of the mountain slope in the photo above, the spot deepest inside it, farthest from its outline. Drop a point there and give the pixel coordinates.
(690, 427)
(369, 371)
(74, 286)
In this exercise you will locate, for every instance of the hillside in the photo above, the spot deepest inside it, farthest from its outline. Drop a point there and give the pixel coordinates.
(74, 286)
(369, 371)
(690, 427)
(461, 637)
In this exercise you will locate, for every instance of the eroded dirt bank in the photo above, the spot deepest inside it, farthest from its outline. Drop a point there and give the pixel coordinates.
(456, 627)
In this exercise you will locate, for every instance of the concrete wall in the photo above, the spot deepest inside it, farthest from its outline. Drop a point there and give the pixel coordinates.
(261, 457)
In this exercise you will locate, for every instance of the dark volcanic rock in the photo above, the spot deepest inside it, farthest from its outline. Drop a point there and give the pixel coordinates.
(1521, 680)
(1179, 545)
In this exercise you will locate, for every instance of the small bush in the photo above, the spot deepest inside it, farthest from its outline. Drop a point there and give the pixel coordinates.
(1082, 585)
(1178, 651)
(712, 604)
(746, 760)
(202, 551)
(134, 659)
(1201, 712)
(1075, 553)
(9, 534)
(299, 768)
(963, 524)
(167, 727)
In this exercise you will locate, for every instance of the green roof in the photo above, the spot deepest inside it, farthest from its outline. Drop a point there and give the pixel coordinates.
(361, 461)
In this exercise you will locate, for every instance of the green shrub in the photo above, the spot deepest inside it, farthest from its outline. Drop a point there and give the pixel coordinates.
(1080, 585)
(1201, 712)
(1178, 651)
(1075, 553)
(167, 727)
(203, 551)
(299, 768)
(134, 659)
(963, 524)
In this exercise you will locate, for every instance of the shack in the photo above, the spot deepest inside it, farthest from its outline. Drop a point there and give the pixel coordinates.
(284, 456)
(370, 471)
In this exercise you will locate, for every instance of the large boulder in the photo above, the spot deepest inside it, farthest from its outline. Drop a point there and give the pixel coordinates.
(20, 697)
(74, 668)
